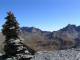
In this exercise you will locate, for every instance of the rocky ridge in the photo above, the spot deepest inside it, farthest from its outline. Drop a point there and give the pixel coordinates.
(67, 37)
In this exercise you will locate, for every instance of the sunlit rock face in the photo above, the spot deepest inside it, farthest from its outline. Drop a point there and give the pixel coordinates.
(70, 54)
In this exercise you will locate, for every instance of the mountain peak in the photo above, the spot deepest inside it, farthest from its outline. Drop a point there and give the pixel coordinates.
(30, 29)
(69, 27)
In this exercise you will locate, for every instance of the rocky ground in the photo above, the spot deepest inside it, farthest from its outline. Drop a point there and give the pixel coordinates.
(69, 54)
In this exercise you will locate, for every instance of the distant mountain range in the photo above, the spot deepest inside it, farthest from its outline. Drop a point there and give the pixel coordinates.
(65, 38)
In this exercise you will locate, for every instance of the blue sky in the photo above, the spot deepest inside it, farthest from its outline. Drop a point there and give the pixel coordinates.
(47, 15)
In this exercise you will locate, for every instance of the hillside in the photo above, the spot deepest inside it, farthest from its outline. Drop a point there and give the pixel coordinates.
(67, 37)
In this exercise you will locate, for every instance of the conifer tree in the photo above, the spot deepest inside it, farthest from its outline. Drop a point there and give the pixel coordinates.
(13, 45)
(10, 31)
(11, 27)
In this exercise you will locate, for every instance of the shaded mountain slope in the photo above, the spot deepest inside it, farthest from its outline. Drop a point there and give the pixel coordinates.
(67, 37)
